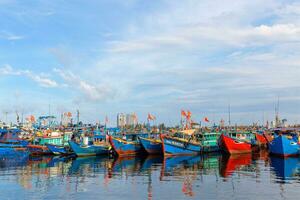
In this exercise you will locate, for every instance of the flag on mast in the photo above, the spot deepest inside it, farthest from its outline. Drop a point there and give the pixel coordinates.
(206, 119)
(151, 117)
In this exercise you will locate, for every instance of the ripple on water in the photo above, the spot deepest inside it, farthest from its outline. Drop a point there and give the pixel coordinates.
(154, 177)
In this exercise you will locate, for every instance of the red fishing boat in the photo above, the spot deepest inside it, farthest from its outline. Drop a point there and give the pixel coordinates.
(234, 145)
(268, 137)
(261, 140)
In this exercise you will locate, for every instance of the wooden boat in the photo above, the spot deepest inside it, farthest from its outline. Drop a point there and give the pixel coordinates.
(209, 142)
(261, 140)
(183, 143)
(86, 149)
(234, 143)
(285, 145)
(38, 149)
(151, 145)
(58, 150)
(268, 137)
(127, 147)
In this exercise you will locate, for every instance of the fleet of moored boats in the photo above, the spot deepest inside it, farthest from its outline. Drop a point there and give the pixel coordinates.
(83, 142)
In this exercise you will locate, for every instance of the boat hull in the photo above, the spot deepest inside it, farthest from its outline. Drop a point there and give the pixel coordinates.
(92, 150)
(282, 146)
(232, 146)
(57, 150)
(38, 149)
(261, 140)
(151, 146)
(123, 148)
(209, 149)
(173, 146)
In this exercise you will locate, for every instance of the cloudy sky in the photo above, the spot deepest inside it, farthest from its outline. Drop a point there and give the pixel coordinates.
(108, 56)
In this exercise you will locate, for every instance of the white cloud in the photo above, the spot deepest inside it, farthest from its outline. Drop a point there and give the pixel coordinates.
(92, 92)
(40, 79)
(10, 36)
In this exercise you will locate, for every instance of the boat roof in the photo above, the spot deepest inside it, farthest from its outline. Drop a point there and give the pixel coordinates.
(188, 132)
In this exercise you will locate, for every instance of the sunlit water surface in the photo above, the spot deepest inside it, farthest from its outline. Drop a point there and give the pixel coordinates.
(217, 176)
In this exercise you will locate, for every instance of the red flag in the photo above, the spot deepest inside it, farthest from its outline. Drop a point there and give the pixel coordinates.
(151, 117)
(206, 119)
(183, 113)
(32, 119)
(189, 114)
(106, 119)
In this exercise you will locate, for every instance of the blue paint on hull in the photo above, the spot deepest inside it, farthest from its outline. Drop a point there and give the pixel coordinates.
(151, 146)
(88, 150)
(173, 146)
(57, 149)
(284, 146)
(124, 148)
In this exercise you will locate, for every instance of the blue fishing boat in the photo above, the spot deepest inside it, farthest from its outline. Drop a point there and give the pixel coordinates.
(128, 145)
(9, 138)
(180, 145)
(285, 145)
(89, 150)
(151, 145)
(58, 150)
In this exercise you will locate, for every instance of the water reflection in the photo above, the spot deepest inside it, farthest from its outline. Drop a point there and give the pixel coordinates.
(183, 175)
(231, 163)
(285, 168)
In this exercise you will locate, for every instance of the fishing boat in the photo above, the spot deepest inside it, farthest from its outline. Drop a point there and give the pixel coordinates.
(236, 142)
(97, 147)
(38, 149)
(45, 138)
(128, 145)
(268, 136)
(285, 144)
(151, 145)
(261, 140)
(58, 150)
(209, 141)
(9, 138)
(182, 143)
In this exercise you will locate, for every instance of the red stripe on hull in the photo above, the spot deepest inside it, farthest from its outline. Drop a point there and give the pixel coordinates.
(233, 147)
(127, 153)
(120, 152)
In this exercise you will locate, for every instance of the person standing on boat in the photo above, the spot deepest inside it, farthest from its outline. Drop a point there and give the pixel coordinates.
(124, 136)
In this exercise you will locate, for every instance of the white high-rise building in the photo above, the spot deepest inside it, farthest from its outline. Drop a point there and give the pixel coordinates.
(121, 120)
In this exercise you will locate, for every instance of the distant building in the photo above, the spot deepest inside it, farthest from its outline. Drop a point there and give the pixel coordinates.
(131, 119)
(121, 120)
(126, 120)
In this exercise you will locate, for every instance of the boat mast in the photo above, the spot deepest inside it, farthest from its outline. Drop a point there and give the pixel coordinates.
(229, 115)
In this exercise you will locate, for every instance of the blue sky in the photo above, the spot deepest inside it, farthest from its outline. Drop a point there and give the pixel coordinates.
(108, 56)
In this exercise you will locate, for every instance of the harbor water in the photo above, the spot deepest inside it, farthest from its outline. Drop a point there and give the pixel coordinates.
(214, 176)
